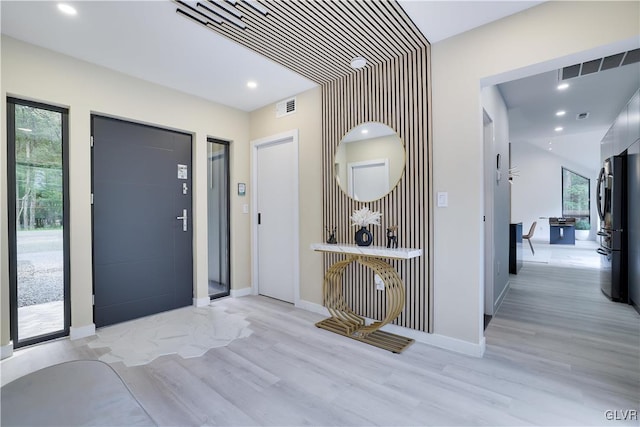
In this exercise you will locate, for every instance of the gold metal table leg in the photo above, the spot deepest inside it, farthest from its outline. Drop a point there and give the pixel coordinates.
(345, 322)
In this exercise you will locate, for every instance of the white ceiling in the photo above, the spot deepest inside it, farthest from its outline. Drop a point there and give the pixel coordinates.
(442, 19)
(533, 101)
(369, 130)
(148, 40)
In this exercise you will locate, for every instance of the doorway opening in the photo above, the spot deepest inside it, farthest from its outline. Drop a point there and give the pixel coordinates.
(38, 183)
(218, 197)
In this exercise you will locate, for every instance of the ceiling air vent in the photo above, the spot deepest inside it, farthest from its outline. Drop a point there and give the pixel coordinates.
(600, 64)
(286, 107)
(582, 116)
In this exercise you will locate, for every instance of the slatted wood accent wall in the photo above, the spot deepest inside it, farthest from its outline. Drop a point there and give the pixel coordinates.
(396, 93)
(318, 39)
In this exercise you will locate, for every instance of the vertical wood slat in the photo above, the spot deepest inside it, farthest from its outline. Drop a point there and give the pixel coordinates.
(396, 93)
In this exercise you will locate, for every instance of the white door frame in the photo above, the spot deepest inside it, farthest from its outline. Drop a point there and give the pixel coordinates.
(354, 165)
(291, 135)
(488, 229)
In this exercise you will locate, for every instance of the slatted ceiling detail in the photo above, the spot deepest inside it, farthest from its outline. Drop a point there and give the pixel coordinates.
(318, 39)
(395, 92)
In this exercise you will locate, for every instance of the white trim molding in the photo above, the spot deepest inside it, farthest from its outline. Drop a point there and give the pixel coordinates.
(238, 293)
(6, 350)
(291, 135)
(76, 333)
(201, 302)
(312, 307)
(501, 298)
(441, 341)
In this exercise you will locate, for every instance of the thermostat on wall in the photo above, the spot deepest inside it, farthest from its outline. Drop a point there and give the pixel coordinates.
(242, 189)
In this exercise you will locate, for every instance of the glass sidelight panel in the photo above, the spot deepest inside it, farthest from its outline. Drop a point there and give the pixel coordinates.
(38, 231)
(218, 218)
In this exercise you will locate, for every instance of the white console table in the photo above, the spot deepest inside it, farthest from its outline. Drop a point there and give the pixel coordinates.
(343, 320)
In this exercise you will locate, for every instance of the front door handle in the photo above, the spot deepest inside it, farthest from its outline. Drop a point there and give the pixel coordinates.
(184, 219)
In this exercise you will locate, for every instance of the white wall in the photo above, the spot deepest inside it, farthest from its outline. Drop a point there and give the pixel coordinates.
(537, 193)
(37, 74)
(543, 38)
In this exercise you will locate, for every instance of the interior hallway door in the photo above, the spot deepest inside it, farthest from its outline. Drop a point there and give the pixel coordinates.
(142, 220)
(277, 174)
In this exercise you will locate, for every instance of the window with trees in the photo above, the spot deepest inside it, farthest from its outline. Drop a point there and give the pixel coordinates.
(37, 141)
(576, 201)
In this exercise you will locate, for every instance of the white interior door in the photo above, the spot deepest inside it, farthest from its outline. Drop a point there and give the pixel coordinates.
(368, 179)
(277, 235)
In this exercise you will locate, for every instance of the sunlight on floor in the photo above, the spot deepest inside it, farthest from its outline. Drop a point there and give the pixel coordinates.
(582, 255)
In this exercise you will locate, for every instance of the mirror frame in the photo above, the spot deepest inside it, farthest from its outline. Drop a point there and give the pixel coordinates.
(385, 159)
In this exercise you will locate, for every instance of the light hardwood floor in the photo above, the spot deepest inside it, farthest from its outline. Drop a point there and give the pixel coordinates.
(558, 353)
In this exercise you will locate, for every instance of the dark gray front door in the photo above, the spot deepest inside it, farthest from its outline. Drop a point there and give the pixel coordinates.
(142, 252)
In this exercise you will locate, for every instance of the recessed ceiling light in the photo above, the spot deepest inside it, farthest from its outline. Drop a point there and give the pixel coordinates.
(252, 85)
(66, 9)
(365, 131)
(550, 149)
(559, 129)
(561, 113)
(358, 62)
(563, 86)
(25, 130)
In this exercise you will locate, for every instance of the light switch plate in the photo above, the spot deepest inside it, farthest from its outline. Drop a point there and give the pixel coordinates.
(245, 208)
(442, 199)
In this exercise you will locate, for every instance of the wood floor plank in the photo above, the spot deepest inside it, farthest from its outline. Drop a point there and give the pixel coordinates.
(558, 353)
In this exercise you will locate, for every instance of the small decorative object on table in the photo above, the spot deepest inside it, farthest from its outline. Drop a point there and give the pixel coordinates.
(332, 236)
(362, 218)
(392, 239)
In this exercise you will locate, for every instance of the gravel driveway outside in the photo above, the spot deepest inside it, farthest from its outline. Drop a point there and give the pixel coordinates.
(40, 267)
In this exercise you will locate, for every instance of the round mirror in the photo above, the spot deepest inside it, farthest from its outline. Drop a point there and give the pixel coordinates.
(369, 161)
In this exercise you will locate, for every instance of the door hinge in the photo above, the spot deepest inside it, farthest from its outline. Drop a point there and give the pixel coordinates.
(91, 198)
(91, 141)
(93, 300)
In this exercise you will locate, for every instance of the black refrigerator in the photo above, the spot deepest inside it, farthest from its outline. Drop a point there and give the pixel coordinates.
(612, 210)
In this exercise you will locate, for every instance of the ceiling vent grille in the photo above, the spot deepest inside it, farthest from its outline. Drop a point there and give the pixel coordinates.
(601, 64)
(582, 116)
(286, 107)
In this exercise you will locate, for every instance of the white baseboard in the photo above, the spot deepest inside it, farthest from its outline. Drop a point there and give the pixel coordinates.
(498, 302)
(237, 293)
(75, 333)
(441, 341)
(6, 350)
(201, 302)
(312, 307)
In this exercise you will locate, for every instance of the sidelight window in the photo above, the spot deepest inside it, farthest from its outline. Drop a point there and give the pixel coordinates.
(38, 221)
